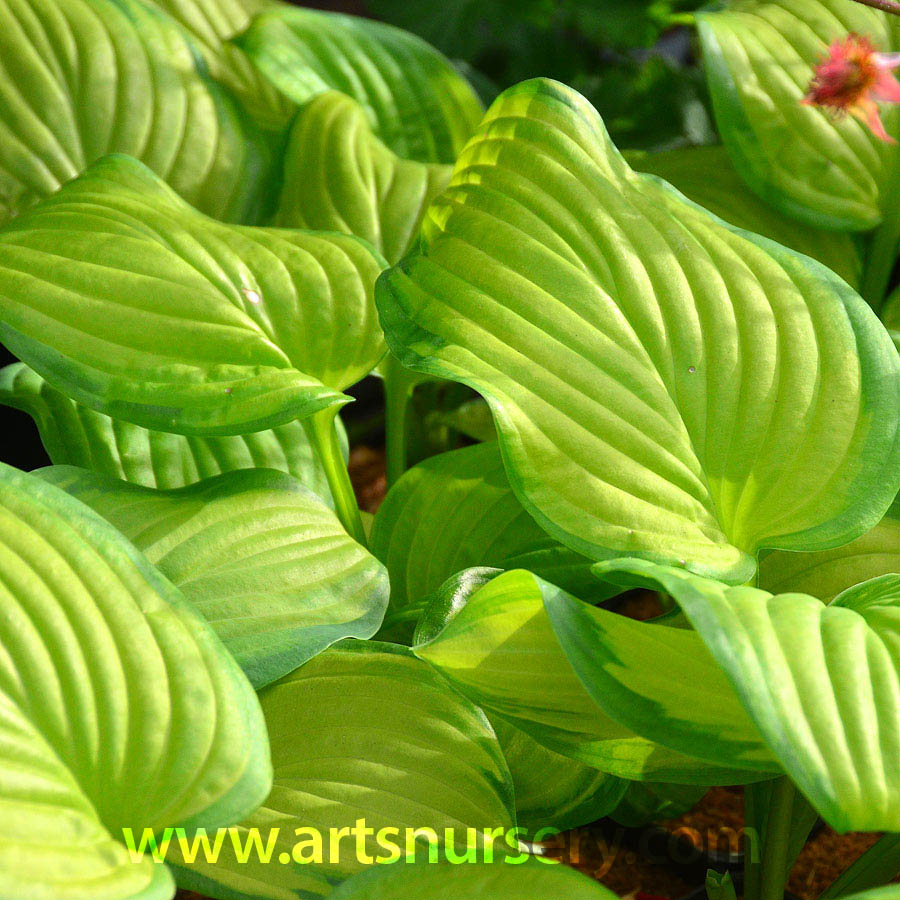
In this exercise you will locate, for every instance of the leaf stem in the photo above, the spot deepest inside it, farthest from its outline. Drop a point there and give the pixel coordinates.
(398, 386)
(888, 6)
(320, 428)
(883, 249)
(776, 844)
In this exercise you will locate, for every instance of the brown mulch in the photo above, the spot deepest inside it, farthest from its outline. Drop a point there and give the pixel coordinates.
(367, 473)
(717, 820)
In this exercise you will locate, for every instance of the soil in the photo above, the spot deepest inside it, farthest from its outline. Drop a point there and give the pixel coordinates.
(715, 823)
(367, 473)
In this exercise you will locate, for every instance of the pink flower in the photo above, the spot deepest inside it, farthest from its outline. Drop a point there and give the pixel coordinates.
(852, 77)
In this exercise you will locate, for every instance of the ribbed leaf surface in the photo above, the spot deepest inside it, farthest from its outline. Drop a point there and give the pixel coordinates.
(415, 100)
(212, 24)
(500, 648)
(554, 791)
(822, 683)
(265, 562)
(360, 187)
(663, 384)
(706, 176)
(759, 57)
(75, 435)
(118, 706)
(367, 731)
(131, 302)
(83, 78)
(456, 511)
(827, 573)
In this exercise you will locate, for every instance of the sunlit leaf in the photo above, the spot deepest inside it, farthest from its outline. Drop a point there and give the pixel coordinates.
(455, 511)
(759, 55)
(75, 435)
(554, 791)
(705, 175)
(367, 731)
(212, 24)
(822, 683)
(663, 385)
(83, 78)
(119, 708)
(265, 562)
(339, 177)
(827, 573)
(416, 102)
(179, 323)
(588, 683)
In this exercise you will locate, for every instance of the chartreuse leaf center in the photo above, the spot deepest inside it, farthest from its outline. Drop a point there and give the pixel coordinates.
(121, 295)
(821, 683)
(119, 708)
(664, 384)
(265, 562)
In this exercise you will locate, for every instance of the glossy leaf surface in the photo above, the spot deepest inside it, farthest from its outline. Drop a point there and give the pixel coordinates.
(265, 562)
(76, 435)
(176, 322)
(822, 683)
(501, 649)
(416, 102)
(83, 78)
(663, 385)
(759, 56)
(119, 708)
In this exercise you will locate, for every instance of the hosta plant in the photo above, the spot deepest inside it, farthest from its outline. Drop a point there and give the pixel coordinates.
(673, 372)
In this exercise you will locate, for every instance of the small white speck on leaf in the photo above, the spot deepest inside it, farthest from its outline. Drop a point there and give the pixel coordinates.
(251, 295)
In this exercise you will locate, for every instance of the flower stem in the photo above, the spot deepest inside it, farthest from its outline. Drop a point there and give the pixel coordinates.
(776, 845)
(320, 428)
(883, 250)
(888, 6)
(398, 386)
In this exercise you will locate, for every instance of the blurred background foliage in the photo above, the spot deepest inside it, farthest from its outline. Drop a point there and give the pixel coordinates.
(633, 59)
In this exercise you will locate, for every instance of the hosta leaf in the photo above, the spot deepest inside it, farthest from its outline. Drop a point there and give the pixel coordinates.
(827, 573)
(455, 511)
(73, 434)
(212, 24)
(118, 706)
(367, 731)
(176, 322)
(360, 186)
(880, 863)
(268, 565)
(416, 102)
(822, 683)
(886, 892)
(645, 802)
(554, 791)
(531, 879)
(83, 78)
(705, 175)
(663, 384)
(500, 649)
(759, 56)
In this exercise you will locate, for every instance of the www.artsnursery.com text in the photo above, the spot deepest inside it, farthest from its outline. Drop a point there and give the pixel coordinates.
(359, 842)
